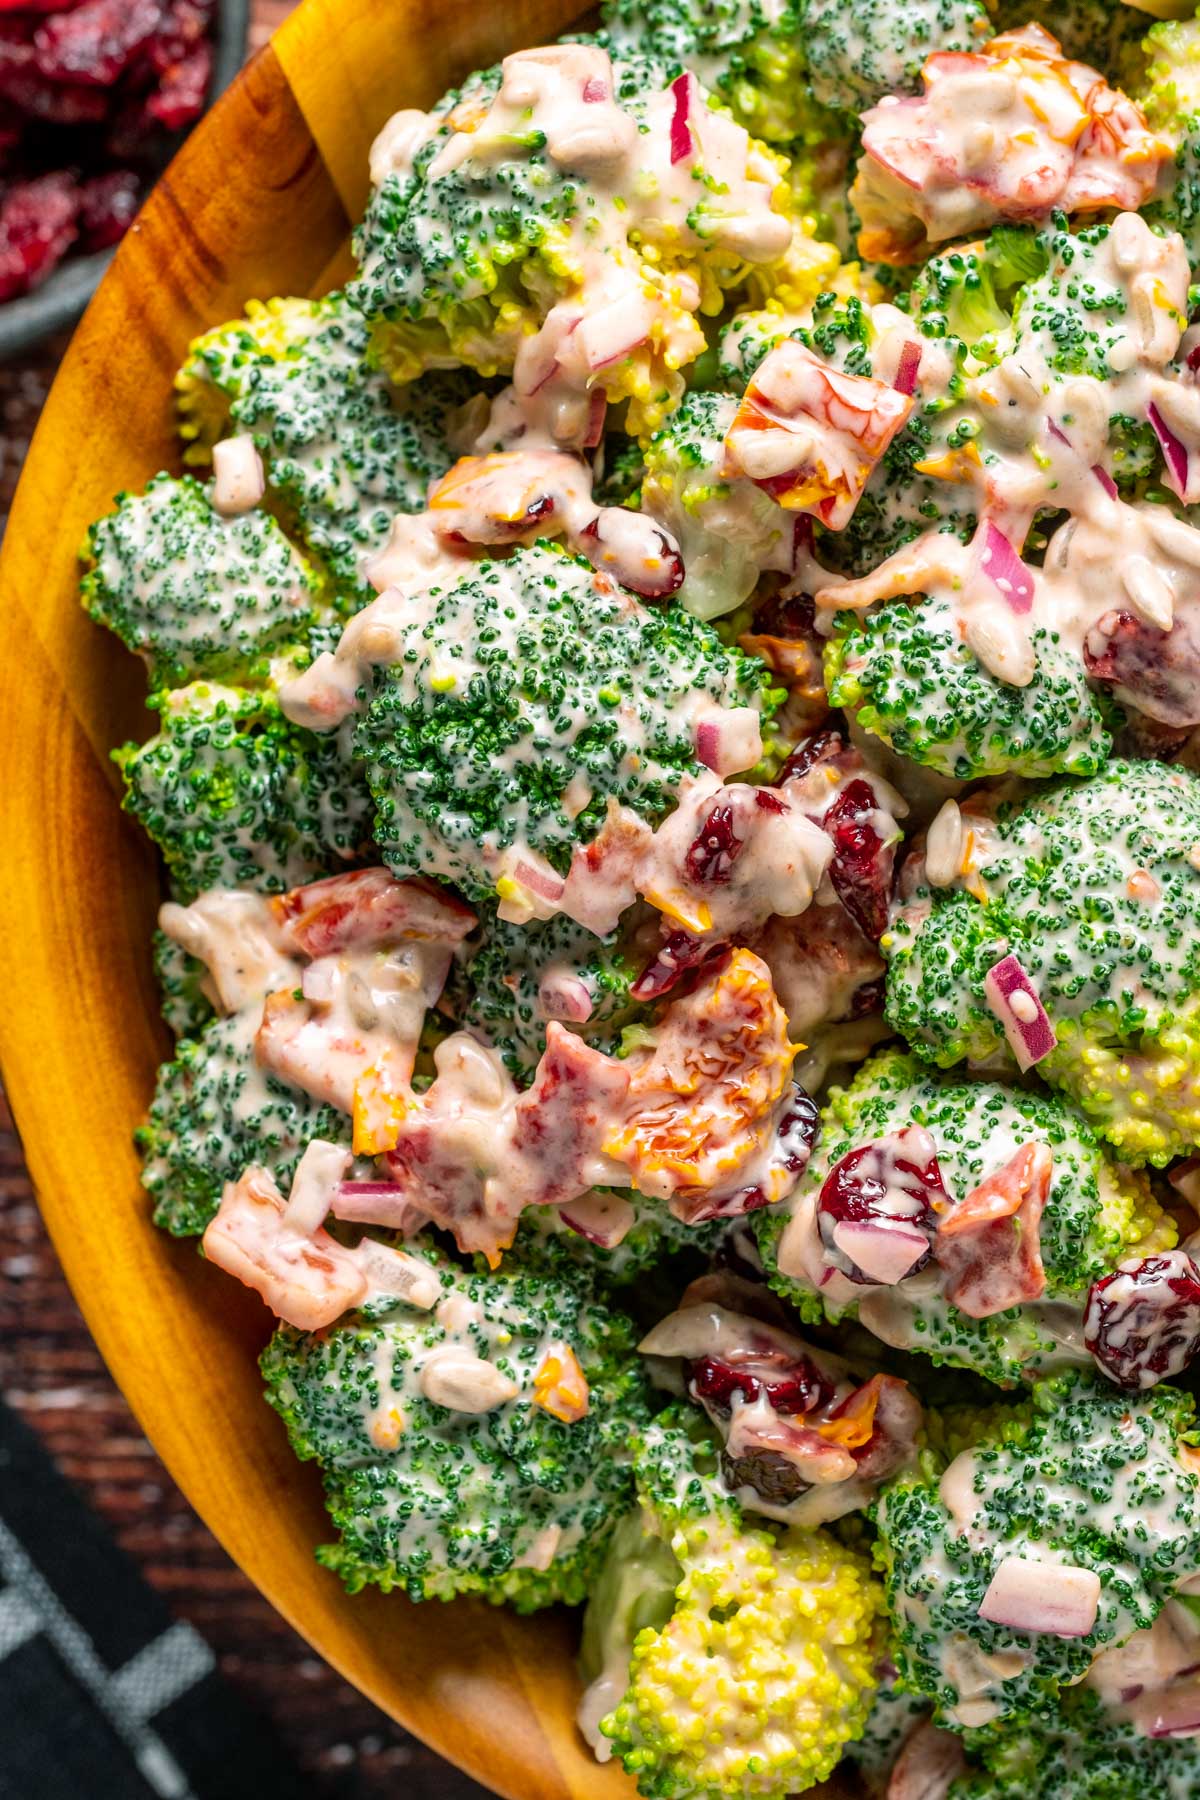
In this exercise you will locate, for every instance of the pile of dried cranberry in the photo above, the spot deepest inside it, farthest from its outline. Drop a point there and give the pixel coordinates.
(89, 95)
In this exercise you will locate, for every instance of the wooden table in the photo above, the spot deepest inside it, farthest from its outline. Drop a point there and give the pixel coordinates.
(51, 1373)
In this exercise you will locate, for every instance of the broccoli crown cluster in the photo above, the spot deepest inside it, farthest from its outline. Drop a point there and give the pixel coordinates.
(1096, 1211)
(185, 1006)
(1073, 310)
(860, 50)
(908, 677)
(521, 679)
(764, 1669)
(1082, 1477)
(504, 980)
(967, 293)
(215, 1112)
(476, 1448)
(192, 592)
(234, 794)
(547, 1245)
(1094, 886)
(1081, 1752)
(1171, 99)
(345, 450)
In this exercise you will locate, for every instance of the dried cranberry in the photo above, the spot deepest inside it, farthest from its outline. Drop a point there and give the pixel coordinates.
(58, 103)
(37, 228)
(868, 998)
(797, 1130)
(772, 1477)
(785, 616)
(36, 6)
(894, 1185)
(1142, 1322)
(107, 206)
(677, 952)
(768, 801)
(180, 97)
(792, 1387)
(97, 42)
(1156, 672)
(711, 855)
(861, 867)
(184, 24)
(820, 747)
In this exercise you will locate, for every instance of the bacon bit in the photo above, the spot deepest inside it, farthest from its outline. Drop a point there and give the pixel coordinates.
(1142, 886)
(379, 1107)
(560, 1385)
(306, 1278)
(365, 908)
(989, 1246)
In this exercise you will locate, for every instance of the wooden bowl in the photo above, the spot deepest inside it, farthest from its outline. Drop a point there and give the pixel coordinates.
(258, 202)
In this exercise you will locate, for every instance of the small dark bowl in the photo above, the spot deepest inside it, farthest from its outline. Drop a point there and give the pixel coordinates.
(62, 297)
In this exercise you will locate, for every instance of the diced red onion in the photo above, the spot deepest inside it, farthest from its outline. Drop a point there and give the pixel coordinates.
(1056, 431)
(885, 1253)
(1005, 570)
(681, 133)
(597, 407)
(603, 1219)
(907, 368)
(594, 90)
(1174, 452)
(1059, 1599)
(370, 1203)
(1171, 1713)
(1105, 479)
(539, 878)
(729, 740)
(564, 995)
(1018, 1006)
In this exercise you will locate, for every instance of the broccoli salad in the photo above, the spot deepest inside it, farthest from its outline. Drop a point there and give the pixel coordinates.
(678, 784)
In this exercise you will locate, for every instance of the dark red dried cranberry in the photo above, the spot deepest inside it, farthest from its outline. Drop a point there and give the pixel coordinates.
(712, 853)
(1142, 1322)
(791, 1387)
(37, 228)
(895, 1184)
(779, 616)
(677, 952)
(861, 867)
(57, 103)
(820, 747)
(773, 1478)
(182, 26)
(1155, 672)
(98, 42)
(107, 206)
(797, 1132)
(35, 6)
(768, 801)
(868, 998)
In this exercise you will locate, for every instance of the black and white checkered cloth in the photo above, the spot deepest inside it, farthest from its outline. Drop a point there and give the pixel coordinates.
(102, 1695)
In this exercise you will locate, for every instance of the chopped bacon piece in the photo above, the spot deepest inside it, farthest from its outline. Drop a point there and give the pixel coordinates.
(823, 968)
(1013, 132)
(367, 908)
(989, 1246)
(707, 1102)
(1157, 673)
(507, 496)
(602, 881)
(809, 435)
(561, 1121)
(893, 1414)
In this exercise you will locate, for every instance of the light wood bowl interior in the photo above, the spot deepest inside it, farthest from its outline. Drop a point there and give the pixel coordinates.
(258, 203)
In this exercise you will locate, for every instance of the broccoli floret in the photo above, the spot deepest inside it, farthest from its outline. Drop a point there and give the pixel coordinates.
(478, 1448)
(517, 680)
(1096, 1211)
(505, 976)
(1080, 1752)
(967, 294)
(1093, 886)
(1105, 33)
(764, 1669)
(192, 592)
(908, 677)
(344, 450)
(234, 794)
(547, 1245)
(858, 51)
(214, 1113)
(1083, 1476)
(185, 1006)
(1073, 312)
(893, 1716)
(728, 530)
(1171, 100)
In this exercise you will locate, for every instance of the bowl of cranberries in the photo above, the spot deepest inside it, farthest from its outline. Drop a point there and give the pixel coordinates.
(95, 97)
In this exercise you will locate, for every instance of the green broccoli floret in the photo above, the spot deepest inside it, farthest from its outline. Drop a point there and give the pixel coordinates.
(191, 591)
(1096, 1212)
(1094, 887)
(516, 681)
(908, 677)
(1079, 1752)
(967, 294)
(547, 1245)
(185, 1006)
(764, 1668)
(1073, 312)
(1105, 33)
(214, 1113)
(505, 976)
(893, 1716)
(479, 1448)
(234, 794)
(728, 530)
(858, 51)
(1083, 1476)
(344, 451)
(1171, 100)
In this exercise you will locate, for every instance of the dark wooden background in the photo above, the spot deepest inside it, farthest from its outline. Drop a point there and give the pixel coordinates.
(52, 1374)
